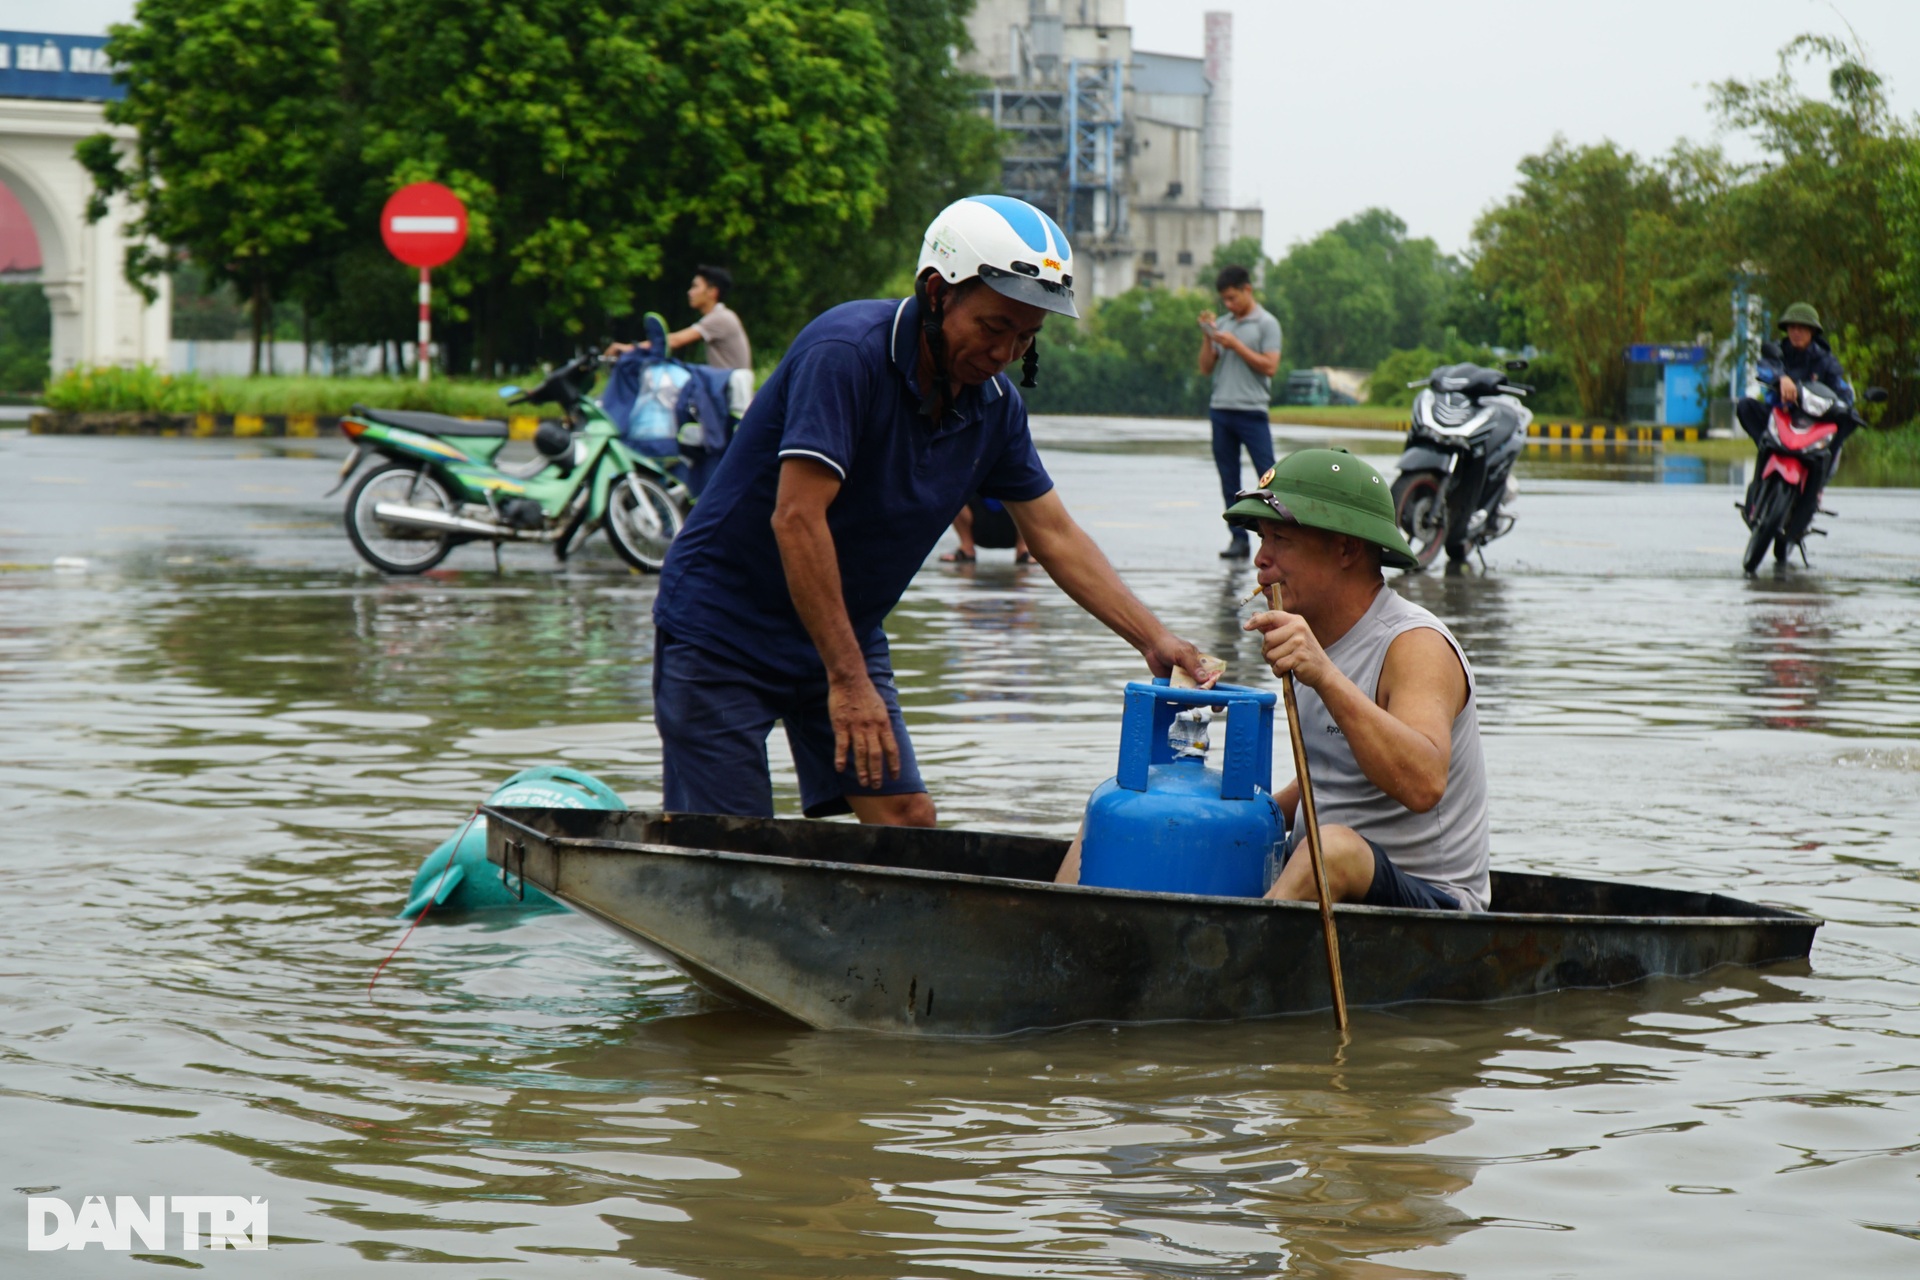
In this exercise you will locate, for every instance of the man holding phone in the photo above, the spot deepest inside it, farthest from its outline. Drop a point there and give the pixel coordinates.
(1240, 351)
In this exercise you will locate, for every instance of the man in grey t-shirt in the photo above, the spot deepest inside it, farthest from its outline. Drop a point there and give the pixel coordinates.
(1240, 350)
(718, 326)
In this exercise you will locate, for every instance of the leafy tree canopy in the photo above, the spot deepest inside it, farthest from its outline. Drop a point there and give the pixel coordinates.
(1599, 249)
(1361, 289)
(1135, 353)
(1831, 216)
(1243, 252)
(603, 149)
(237, 116)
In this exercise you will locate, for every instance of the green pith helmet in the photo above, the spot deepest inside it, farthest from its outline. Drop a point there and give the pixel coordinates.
(1333, 490)
(1801, 313)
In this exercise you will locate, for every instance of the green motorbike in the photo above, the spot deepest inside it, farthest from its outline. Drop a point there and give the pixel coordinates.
(441, 482)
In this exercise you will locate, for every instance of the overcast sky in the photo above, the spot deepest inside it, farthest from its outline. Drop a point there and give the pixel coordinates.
(1426, 108)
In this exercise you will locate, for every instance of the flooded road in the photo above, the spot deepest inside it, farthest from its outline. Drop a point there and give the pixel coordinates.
(226, 747)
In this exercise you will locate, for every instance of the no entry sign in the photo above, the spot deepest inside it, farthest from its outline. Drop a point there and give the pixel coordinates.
(424, 225)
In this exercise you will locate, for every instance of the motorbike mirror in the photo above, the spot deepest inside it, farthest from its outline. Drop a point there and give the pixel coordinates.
(1419, 382)
(1770, 350)
(1517, 366)
(1875, 395)
(509, 392)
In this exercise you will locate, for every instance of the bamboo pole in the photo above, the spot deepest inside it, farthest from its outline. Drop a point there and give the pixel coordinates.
(1312, 820)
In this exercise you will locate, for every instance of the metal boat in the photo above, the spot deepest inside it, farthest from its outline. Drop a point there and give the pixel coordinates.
(962, 933)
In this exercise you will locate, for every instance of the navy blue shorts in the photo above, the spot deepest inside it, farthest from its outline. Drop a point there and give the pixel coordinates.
(714, 717)
(1393, 887)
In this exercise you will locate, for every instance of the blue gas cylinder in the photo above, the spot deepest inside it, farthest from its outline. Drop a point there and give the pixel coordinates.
(1170, 824)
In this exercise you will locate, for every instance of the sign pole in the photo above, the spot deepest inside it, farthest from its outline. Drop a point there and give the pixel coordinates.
(426, 324)
(424, 225)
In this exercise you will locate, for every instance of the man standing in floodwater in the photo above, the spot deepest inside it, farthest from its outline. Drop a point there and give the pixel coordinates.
(1240, 351)
(865, 443)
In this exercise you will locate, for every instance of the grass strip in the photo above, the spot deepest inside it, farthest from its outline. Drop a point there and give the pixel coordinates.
(1366, 417)
(143, 389)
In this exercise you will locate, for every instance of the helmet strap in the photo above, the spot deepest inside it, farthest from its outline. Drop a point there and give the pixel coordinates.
(1030, 364)
(933, 310)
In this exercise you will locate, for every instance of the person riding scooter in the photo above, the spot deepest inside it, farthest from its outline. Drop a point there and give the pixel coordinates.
(1805, 358)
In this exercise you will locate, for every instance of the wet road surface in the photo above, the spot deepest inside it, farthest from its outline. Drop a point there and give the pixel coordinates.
(226, 747)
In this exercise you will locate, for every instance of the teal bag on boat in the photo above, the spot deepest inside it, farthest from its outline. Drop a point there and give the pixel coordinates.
(472, 883)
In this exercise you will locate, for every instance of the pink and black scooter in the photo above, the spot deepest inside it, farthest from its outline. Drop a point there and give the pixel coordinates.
(1798, 455)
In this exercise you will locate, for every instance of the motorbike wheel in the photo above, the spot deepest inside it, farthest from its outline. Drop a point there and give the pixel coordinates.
(1421, 515)
(390, 548)
(643, 518)
(1769, 516)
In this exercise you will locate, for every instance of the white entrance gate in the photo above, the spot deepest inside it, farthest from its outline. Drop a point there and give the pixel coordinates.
(98, 318)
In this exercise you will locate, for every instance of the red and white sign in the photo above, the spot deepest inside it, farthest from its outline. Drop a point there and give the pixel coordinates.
(424, 225)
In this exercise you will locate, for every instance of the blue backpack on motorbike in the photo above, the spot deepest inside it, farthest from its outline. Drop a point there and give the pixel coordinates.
(668, 409)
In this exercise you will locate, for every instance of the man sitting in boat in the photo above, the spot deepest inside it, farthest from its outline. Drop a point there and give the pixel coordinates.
(1386, 696)
(852, 461)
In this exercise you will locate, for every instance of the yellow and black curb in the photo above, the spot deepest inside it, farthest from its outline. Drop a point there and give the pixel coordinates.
(1608, 433)
(286, 426)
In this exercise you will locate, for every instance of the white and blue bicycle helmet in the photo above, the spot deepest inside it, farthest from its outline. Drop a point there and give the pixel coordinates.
(1016, 249)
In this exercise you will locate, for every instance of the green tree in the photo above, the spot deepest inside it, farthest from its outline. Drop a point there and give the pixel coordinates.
(549, 121)
(938, 149)
(1832, 214)
(603, 149)
(1359, 290)
(1421, 278)
(26, 337)
(203, 311)
(1136, 353)
(1243, 252)
(1334, 306)
(1553, 392)
(1158, 330)
(1601, 250)
(592, 141)
(235, 106)
(1388, 385)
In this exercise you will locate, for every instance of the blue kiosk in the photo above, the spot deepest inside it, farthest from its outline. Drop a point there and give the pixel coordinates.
(1667, 384)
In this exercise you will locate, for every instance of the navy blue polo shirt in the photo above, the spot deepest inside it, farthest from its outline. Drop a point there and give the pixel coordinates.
(844, 397)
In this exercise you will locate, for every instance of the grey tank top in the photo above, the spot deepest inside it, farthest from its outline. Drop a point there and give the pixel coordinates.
(1447, 845)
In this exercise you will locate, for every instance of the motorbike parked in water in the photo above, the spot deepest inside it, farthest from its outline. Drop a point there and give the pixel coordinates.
(441, 483)
(1456, 476)
(1798, 455)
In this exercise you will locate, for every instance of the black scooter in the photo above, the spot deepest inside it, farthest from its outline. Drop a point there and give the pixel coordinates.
(1456, 476)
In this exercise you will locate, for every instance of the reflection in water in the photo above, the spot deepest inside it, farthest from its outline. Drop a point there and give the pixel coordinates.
(220, 780)
(1787, 644)
(1642, 464)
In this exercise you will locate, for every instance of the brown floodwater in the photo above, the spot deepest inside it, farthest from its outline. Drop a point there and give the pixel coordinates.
(225, 748)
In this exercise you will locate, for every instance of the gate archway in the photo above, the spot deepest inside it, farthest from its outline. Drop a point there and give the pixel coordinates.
(98, 318)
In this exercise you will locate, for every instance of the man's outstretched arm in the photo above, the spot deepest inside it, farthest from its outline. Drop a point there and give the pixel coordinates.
(1082, 570)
